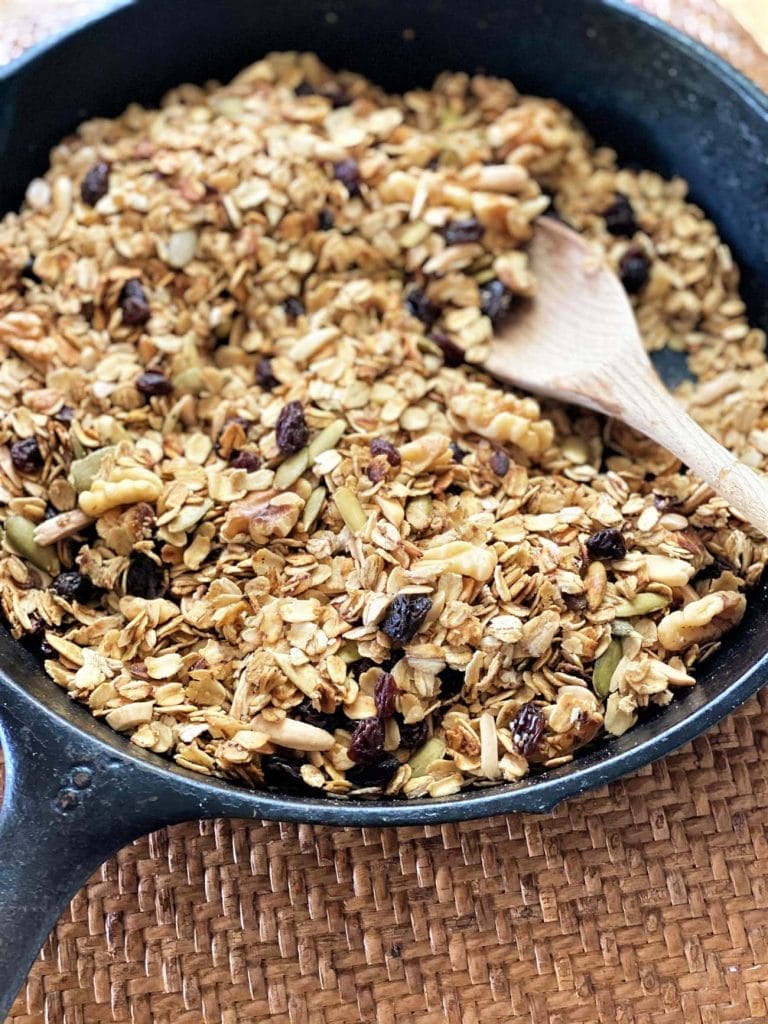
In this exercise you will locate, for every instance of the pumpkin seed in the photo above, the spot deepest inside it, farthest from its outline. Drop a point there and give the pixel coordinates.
(84, 471)
(189, 379)
(432, 750)
(313, 506)
(328, 438)
(288, 472)
(604, 668)
(20, 533)
(350, 509)
(642, 604)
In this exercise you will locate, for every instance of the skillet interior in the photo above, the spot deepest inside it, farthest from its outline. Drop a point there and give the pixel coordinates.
(661, 100)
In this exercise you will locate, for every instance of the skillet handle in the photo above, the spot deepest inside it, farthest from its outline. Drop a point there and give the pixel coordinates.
(67, 806)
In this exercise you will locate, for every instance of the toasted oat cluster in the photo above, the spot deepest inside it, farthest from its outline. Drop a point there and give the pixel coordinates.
(264, 513)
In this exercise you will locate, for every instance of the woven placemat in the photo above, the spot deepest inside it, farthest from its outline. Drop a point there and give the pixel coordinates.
(642, 903)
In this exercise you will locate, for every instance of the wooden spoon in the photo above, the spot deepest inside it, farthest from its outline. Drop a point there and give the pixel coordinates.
(578, 342)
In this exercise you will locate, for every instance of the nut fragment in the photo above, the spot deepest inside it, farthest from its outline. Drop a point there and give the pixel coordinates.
(702, 621)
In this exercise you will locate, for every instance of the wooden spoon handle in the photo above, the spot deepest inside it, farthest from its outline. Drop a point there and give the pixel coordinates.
(655, 413)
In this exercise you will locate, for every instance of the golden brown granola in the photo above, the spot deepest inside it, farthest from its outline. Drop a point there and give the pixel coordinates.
(260, 511)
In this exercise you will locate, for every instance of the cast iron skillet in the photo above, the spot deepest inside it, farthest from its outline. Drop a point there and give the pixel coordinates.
(75, 790)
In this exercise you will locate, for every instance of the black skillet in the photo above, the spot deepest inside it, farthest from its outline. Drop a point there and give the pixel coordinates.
(75, 790)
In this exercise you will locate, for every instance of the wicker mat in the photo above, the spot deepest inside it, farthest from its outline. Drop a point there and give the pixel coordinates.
(644, 903)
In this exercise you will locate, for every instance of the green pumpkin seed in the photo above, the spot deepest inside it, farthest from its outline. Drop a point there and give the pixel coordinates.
(604, 668)
(642, 604)
(190, 380)
(288, 472)
(328, 438)
(432, 750)
(20, 533)
(83, 471)
(313, 506)
(350, 509)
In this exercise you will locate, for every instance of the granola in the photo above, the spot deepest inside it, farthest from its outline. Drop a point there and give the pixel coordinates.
(264, 513)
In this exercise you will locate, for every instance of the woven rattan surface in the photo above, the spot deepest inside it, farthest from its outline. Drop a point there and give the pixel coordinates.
(645, 903)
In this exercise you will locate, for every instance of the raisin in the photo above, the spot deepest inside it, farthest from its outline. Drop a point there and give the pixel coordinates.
(418, 305)
(65, 415)
(145, 578)
(495, 300)
(459, 232)
(713, 570)
(284, 773)
(73, 586)
(527, 728)
(338, 97)
(153, 382)
(325, 220)
(95, 184)
(308, 713)
(246, 460)
(664, 502)
(34, 641)
(264, 376)
(367, 744)
(385, 695)
(379, 774)
(405, 617)
(26, 455)
(361, 665)
(381, 446)
(620, 217)
(376, 472)
(348, 173)
(291, 430)
(305, 88)
(28, 272)
(634, 270)
(413, 735)
(500, 463)
(293, 307)
(133, 303)
(459, 454)
(575, 602)
(452, 354)
(606, 544)
(451, 682)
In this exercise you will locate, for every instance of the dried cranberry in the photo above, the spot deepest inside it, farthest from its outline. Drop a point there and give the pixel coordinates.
(418, 305)
(620, 217)
(500, 463)
(378, 774)
(145, 578)
(293, 307)
(348, 173)
(452, 354)
(153, 382)
(65, 415)
(246, 460)
(291, 430)
(26, 455)
(405, 617)
(634, 270)
(459, 454)
(495, 300)
(413, 735)
(367, 745)
(284, 773)
(325, 220)
(527, 728)
(607, 544)
(451, 682)
(133, 303)
(459, 232)
(385, 695)
(73, 586)
(381, 446)
(95, 184)
(264, 376)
